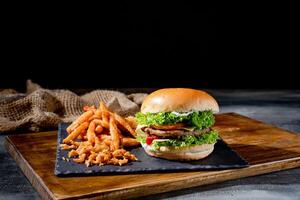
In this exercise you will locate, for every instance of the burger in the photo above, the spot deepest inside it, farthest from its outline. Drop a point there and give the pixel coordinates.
(176, 124)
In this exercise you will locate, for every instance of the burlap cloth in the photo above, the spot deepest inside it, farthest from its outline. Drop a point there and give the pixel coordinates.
(40, 109)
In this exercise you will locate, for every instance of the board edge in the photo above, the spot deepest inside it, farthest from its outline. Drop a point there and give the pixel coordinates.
(27, 170)
(198, 180)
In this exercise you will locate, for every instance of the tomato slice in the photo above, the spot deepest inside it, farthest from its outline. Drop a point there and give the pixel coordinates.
(169, 127)
(150, 139)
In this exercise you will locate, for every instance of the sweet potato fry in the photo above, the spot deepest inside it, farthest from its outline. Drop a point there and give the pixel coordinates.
(105, 119)
(105, 113)
(130, 156)
(98, 113)
(107, 141)
(98, 129)
(75, 143)
(101, 123)
(67, 147)
(72, 153)
(123, 161)
(82, 134)
(115, 135)
(131, 121)
(94, 117)
(130, 142)
(92, 157)
(87, 108)
(103, 107)
(80, 159)
(83, 118)
(76, 132)
(72, 127)
(91, 132)
(124, 124)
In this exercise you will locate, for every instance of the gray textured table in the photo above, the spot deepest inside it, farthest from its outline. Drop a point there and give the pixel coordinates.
(281, 108)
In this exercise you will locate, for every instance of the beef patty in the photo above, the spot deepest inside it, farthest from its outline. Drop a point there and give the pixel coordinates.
(173, 133)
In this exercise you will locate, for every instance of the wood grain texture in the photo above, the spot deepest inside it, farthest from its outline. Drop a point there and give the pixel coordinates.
(265, 147)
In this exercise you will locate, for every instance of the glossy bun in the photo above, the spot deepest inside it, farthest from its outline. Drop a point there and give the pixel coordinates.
(179, 100)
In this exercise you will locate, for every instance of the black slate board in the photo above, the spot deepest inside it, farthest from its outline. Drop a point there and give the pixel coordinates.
(223, 157)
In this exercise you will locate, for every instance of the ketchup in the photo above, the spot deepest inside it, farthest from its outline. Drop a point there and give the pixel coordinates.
(150, 139)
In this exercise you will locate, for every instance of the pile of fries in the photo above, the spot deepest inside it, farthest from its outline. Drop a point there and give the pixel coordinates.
(98, 136)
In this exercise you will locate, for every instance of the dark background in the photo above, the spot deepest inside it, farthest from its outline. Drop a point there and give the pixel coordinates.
(145, 45)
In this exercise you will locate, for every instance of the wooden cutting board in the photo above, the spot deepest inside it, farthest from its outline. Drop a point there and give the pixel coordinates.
(265, 147)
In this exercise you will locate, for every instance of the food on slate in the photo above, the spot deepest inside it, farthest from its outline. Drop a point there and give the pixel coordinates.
(98, 136)
(177, 124)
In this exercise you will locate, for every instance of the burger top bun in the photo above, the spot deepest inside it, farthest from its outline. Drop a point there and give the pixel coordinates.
(179, 100)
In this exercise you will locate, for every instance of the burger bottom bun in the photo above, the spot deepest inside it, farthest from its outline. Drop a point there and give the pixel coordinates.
(182, 153)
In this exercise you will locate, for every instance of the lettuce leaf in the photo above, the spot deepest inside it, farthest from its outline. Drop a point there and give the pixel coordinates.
(207, 138)
(141, 139)
(198, 120)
